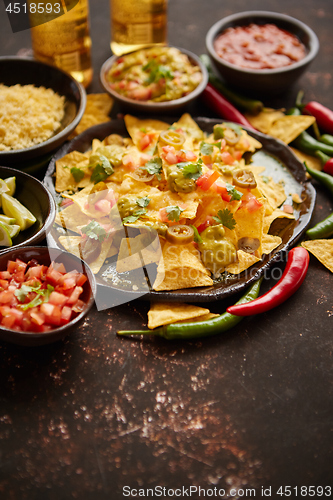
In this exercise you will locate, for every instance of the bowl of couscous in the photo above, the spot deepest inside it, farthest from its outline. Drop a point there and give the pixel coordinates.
(40, 106)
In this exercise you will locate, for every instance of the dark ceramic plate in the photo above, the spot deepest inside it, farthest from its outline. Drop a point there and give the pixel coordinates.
(36, 198)
(25, 71)
(280, 163)
(45, 256)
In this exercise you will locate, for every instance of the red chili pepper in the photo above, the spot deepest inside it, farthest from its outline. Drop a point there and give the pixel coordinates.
(328, 167)
(223, 107)
(323, 115)
(291, 279)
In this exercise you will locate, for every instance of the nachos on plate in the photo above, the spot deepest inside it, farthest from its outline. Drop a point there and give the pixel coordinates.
(174, 196)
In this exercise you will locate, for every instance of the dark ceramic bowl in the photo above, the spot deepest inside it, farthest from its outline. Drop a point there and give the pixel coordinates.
(36, 198)
(263, 81)
(45, 256)
(25, 71)
(155, 107)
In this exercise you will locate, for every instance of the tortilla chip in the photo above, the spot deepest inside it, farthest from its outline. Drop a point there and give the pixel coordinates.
(287, 128)
(136, 129)
(277, 214)
(311, 161)
(204, 317)
(270, 242)
(245, 260)
(64, 178)
(181, 267)
(71, 244)
(97, 110)
(273, 191)
(101, 102)
(134, 253)
(187, 123)
(265, 119)
(250, 225)
(322, 250)
(72, 218)
(165, 313)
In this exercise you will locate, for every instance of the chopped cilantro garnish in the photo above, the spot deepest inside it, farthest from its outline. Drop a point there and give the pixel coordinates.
(102, 170)
(206, 149)
(226, 218)
(265, 179)
(174, 212)
(43, 295)
(77, 173)
(218, 132)
(191, 170)
(143, 202)
(157, 71)
(154, 167)
(94, 230)
(197, 237)
(133, 218)
(236, 195)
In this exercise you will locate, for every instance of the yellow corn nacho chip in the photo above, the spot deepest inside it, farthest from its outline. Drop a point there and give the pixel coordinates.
(138, 128)
(311, 161)
(273, 191)
(97, 111)
(181, 267)
(270, 242)
(245, 260)
(264, 120)
(322, 250)
(71, 244)
(287, 128)
(165, 313)
(135, 253)
(65, 180)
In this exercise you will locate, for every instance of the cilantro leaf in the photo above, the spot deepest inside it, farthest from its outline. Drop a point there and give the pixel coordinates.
(157, 71)
(226, 218)
(43, 295)
(236, 195)
(197, 237)
(191, 170)
(77, 173)
(94, 230)
(206, 149)
(102, 170)
(174, 212)
(22, 292)
(143, 202)
(136, 215)
(154, 167)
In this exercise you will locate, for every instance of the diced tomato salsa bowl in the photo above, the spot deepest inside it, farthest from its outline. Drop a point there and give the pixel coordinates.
(44, 294)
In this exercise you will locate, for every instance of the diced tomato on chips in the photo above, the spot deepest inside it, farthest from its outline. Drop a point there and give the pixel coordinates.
(207, 179)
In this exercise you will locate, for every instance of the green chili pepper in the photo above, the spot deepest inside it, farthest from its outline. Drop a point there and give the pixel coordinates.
(327, 139)
(323, 229)
(251, 105)
(308, 144)
(322, 177)
(199, 329)
(322, 157)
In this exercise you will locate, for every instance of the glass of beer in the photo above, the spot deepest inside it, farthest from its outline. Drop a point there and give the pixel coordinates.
(63, 40)
(137, 23)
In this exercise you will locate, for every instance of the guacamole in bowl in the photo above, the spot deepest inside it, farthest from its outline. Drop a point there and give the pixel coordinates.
(156, 78)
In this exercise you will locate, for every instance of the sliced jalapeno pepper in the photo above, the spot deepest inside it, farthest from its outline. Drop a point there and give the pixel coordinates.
(142, 175)
(180, 234)
(244, 179)
(172, 138)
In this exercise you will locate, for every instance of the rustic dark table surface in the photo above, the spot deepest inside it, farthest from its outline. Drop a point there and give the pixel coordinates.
(89, 416)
